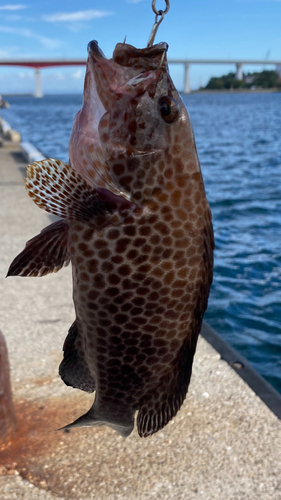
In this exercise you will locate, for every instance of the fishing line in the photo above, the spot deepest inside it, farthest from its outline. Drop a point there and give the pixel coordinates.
(158, 13)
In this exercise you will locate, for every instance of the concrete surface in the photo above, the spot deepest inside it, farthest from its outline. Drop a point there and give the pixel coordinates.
(223, 444)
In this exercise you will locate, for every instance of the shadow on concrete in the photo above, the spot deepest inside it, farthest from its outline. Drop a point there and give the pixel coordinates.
(18, 157)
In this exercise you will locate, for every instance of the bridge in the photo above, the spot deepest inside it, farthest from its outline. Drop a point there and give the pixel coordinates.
(37, 65)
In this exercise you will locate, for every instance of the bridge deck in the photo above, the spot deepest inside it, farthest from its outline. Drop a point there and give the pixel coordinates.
(82, 62)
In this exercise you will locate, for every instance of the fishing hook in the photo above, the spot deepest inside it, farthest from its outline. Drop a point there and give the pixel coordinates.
(157, 22)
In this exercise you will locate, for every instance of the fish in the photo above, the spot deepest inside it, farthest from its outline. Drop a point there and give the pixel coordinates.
(137, 228)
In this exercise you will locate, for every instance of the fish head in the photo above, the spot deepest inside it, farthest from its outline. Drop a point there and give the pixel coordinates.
(131, 119)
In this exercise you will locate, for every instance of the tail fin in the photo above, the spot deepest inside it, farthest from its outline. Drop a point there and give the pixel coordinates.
(117, 419)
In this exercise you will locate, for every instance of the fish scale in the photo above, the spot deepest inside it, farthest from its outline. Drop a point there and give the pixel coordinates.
(141, 253)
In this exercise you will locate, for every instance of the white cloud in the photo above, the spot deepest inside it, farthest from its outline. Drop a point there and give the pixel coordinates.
(82, 15)
(29, 75)
(78, 74)
(13, 17)
(9, 52)
(48, 43)
(13, 7)
(59, 76)
(134, 1)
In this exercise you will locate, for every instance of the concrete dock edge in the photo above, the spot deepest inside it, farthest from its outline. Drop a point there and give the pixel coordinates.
(244, 369)
(31, 153)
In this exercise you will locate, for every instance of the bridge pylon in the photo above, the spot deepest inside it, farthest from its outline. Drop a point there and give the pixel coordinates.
(186, 86)
(38, 85)
(239, 73)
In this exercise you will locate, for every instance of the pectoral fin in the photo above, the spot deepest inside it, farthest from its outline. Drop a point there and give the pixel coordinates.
(45, 253)
(58, 189)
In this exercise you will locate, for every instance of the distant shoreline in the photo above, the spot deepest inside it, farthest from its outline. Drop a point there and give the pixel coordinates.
(17, 94)
(272, 90)
(30, 94)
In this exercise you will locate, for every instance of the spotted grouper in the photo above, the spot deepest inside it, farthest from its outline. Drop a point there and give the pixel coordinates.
(136, 226)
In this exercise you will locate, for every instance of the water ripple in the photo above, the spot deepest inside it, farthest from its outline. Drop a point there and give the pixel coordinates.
(239, 145)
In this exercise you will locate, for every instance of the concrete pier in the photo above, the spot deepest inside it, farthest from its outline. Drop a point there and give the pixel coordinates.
(225, 443)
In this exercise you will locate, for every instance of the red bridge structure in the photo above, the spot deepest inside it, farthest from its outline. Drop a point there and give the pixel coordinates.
(38, 65)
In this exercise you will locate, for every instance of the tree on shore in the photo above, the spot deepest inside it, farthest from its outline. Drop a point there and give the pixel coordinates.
(265, 79)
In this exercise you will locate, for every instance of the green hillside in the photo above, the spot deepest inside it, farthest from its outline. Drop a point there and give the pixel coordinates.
(266, 79)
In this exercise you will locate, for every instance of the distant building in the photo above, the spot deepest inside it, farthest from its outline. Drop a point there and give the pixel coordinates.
(249, 79)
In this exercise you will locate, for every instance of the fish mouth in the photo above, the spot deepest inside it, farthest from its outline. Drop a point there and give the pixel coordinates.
(128, 55)
(130, 70)
(93, 48)
(103, 72)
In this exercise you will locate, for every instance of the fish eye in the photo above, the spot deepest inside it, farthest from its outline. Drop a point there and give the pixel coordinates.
(169, 109)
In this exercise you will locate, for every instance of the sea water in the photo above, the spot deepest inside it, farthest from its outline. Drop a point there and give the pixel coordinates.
(238, 138)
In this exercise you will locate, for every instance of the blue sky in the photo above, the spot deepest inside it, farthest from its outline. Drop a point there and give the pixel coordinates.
(193, 28)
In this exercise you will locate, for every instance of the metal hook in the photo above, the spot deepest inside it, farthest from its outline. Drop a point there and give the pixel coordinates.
(159, 12)
(157, 22)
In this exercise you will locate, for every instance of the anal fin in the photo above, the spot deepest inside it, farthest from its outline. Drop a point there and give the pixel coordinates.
(73, 368)
(45, 253)
(160, 406)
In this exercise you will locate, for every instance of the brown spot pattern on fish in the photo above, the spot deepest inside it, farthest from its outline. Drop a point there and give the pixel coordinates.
(143, 322)
(142, 253)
